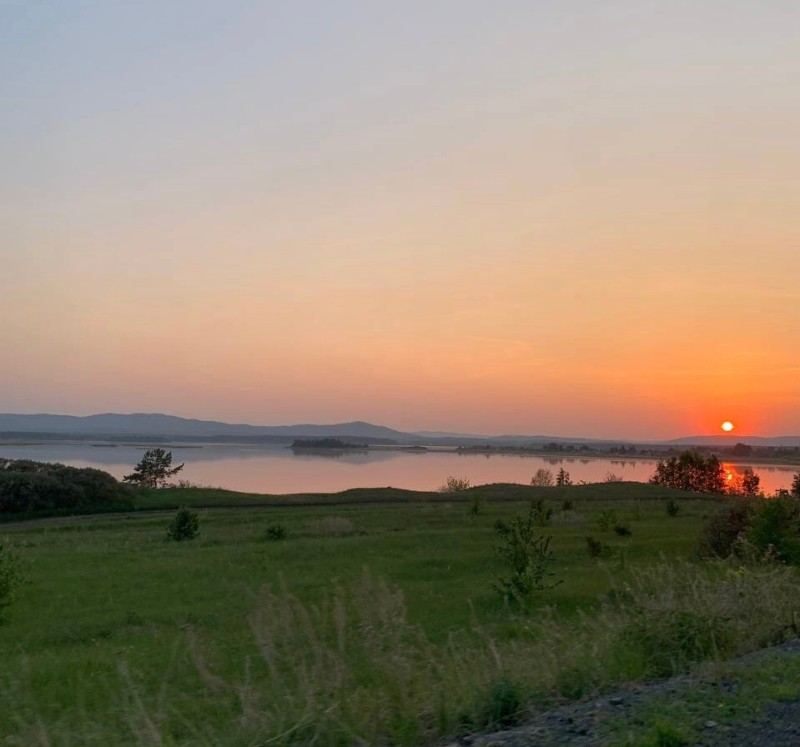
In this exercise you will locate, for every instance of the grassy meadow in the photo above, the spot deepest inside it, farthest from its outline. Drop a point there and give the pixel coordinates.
(374, 621)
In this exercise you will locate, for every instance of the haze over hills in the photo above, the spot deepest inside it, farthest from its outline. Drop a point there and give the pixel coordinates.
(157, 425)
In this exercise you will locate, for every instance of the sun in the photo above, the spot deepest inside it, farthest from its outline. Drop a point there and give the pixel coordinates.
(727, 426)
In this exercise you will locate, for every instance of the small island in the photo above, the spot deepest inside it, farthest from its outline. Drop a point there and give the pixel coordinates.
(324, 443)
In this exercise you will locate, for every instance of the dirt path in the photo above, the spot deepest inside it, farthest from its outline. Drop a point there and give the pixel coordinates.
(590, 723)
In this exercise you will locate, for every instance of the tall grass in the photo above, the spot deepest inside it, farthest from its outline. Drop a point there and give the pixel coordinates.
(352, 670)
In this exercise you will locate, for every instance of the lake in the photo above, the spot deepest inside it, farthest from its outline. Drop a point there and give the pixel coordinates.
(277, 469)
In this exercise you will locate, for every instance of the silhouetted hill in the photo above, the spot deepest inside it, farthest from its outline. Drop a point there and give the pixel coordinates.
(156, 424)
(163, 427)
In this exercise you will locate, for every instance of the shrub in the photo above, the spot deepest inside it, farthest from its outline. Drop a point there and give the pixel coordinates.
(672, 507)
(774, 528)
(184, 526)
(543, 478)
(276, 532)
(613, 477)
(567, 505)
(540, 513)
(476, 506)
(28, 487)
(455, 485)
(606, 519)
(10, 573)
(527, 554)
(597, 548)
(505, 705)
(718, 537)
(622, 530)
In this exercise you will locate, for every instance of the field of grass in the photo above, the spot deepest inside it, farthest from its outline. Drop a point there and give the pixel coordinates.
(374, 621)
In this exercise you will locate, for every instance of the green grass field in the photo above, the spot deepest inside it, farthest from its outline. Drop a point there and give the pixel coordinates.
(375, 621)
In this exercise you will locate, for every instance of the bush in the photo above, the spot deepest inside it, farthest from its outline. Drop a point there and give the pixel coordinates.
(597, 548)
(672, 507)
(567, 505)
(505, 705)
(540, 513)
(774, 528)
(276, 532)
(10, 574)
(476, 506)
(185, 526)
(527, 554)
(769, 526)
(543, 478)
(606, 519)
(28, 487)
(719, 536)
(455, 485)
(622, 530)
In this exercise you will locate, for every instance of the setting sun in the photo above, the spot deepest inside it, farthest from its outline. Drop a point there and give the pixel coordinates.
(727, 426)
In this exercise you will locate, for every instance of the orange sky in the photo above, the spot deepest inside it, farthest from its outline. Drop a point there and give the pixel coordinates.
(568, 219)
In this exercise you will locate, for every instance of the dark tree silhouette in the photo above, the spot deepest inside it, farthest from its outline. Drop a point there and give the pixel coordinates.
(154, 470)
(692, 471)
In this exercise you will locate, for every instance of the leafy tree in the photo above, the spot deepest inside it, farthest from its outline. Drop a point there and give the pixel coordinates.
(750, 482)
(154, 470)
(455, 485)
(543, 478)
(691, 471)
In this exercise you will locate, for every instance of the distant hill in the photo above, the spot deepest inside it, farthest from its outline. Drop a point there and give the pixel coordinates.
(163, 427)
(156, 424)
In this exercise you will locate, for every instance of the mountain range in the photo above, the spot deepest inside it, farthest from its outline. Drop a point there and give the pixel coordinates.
(157, 425)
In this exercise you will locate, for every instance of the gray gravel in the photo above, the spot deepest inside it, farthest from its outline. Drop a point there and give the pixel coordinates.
(581, 724)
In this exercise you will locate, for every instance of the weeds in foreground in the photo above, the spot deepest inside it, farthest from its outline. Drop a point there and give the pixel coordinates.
(353, 669)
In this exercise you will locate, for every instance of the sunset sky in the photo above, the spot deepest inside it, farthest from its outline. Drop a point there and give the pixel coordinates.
(566, 218)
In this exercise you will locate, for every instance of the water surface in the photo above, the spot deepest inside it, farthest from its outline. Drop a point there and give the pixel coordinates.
(277, 469)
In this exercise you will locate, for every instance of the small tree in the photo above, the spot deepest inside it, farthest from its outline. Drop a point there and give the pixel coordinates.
(796, 486)
(527, 554)
(185, 526)
(154, 470)
(543, 478)
(455, 485)
(563, 478)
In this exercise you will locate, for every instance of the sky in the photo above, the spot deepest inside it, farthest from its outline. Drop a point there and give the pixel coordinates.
(518, 216)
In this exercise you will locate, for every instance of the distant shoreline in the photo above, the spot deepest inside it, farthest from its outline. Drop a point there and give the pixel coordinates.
(557, 456)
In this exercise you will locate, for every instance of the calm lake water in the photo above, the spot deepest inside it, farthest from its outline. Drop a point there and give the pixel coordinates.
(277, 469)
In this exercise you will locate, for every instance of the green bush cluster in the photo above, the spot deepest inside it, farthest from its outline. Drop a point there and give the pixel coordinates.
(27, 486)
(770, 527)
(184, 526)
